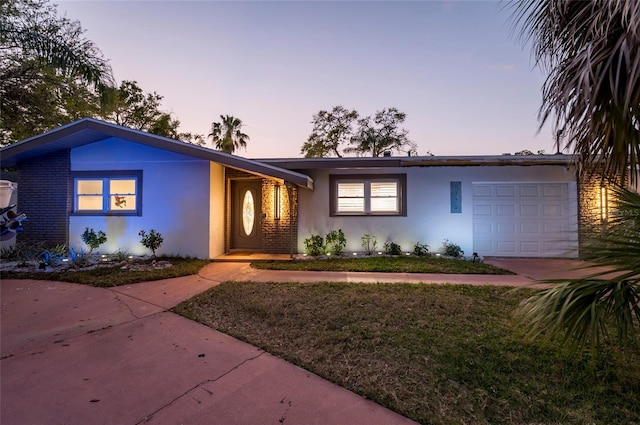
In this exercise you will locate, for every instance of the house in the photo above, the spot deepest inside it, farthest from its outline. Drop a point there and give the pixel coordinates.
(95, 174)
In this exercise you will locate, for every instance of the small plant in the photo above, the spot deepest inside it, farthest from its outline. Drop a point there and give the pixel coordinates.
(151, 240)
(22, 253)
(392, 248)
(369, 244)
(119, 255)
(421, 249)
(314, 245)
(93, 239)
(451, 249)
(79, 259)
(335, 242)
(52, 257)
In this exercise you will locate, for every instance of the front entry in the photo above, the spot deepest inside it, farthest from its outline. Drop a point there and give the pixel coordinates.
(246, 214)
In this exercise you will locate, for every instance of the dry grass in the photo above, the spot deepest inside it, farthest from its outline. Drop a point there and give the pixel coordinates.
(439, 354)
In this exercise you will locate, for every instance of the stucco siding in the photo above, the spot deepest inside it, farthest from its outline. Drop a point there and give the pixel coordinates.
(429, 218)
(176, 199)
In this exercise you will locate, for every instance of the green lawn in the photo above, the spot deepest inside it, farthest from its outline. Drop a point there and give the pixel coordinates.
(439, 354)
(408, 264)
(115, 276)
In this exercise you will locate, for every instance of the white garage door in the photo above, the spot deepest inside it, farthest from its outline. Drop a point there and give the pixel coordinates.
(524, 220)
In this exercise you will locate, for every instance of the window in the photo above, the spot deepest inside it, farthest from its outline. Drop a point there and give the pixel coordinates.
(368, 195)
(107, 192)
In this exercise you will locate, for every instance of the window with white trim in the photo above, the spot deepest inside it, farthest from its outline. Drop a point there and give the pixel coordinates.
(108, 193)
(369, 195)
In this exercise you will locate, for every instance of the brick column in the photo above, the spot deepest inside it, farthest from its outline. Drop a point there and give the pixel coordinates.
(45, 196)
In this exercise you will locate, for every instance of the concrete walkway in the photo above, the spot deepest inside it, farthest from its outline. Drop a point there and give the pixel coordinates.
(75, 354)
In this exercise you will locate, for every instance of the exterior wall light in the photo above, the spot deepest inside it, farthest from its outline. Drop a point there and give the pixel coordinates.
(276, 202)
(604, 203)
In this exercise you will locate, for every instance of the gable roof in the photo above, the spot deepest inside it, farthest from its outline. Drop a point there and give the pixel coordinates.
(89, 130)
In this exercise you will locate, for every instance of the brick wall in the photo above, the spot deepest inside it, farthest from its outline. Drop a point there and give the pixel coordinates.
(279, 236)
(45, 197)
(595, 205)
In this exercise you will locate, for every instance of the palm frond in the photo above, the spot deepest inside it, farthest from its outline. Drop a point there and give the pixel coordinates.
(583, 310)
(591, 51)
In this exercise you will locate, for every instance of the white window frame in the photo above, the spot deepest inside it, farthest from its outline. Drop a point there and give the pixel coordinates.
(106, 177)
(366, 181)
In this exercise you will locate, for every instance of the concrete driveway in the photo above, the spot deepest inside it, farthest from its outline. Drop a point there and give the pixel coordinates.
(75, 354)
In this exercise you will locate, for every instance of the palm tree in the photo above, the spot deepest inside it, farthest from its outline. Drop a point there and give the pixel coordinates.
(32, 31)
(591, 51)
(227, 135)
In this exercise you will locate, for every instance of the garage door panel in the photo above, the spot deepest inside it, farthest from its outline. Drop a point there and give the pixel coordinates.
(506, 248)
(508, 210)
(482, 191)
(530, 228)
(527, 220)
(530, 247)
(552, 210)
(528, 190)
(505, 191)
(506, 228)
(554, 190)
(553, 228)
(528, 210)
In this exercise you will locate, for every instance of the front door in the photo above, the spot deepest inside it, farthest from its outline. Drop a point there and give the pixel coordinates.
(246, 214)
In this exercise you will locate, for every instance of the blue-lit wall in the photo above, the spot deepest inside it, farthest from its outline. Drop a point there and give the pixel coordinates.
(177, 197)
(429, 218)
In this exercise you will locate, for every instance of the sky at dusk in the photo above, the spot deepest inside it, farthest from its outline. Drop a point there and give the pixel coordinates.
(466, 83)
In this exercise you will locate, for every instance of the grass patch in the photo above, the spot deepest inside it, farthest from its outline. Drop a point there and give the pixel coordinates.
(115, 276)
(439, 354)
(385, 264)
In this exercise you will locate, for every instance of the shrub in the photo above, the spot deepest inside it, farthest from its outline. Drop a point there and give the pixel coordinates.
(335, 242)
(93, 239)
(52, 257)
(151, 241)
(451, 249)
(79, 259)
(314, 245)
(420, 249)
(369, 244)
(119, 255)
(22, 253)
(392, 248)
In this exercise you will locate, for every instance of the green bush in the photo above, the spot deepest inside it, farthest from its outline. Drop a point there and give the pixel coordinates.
(451, 249)
(314, 245)
(151, 241)
(392, 248)
(420, 249)
(93, 239)
(369, 244)
(335, 242)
